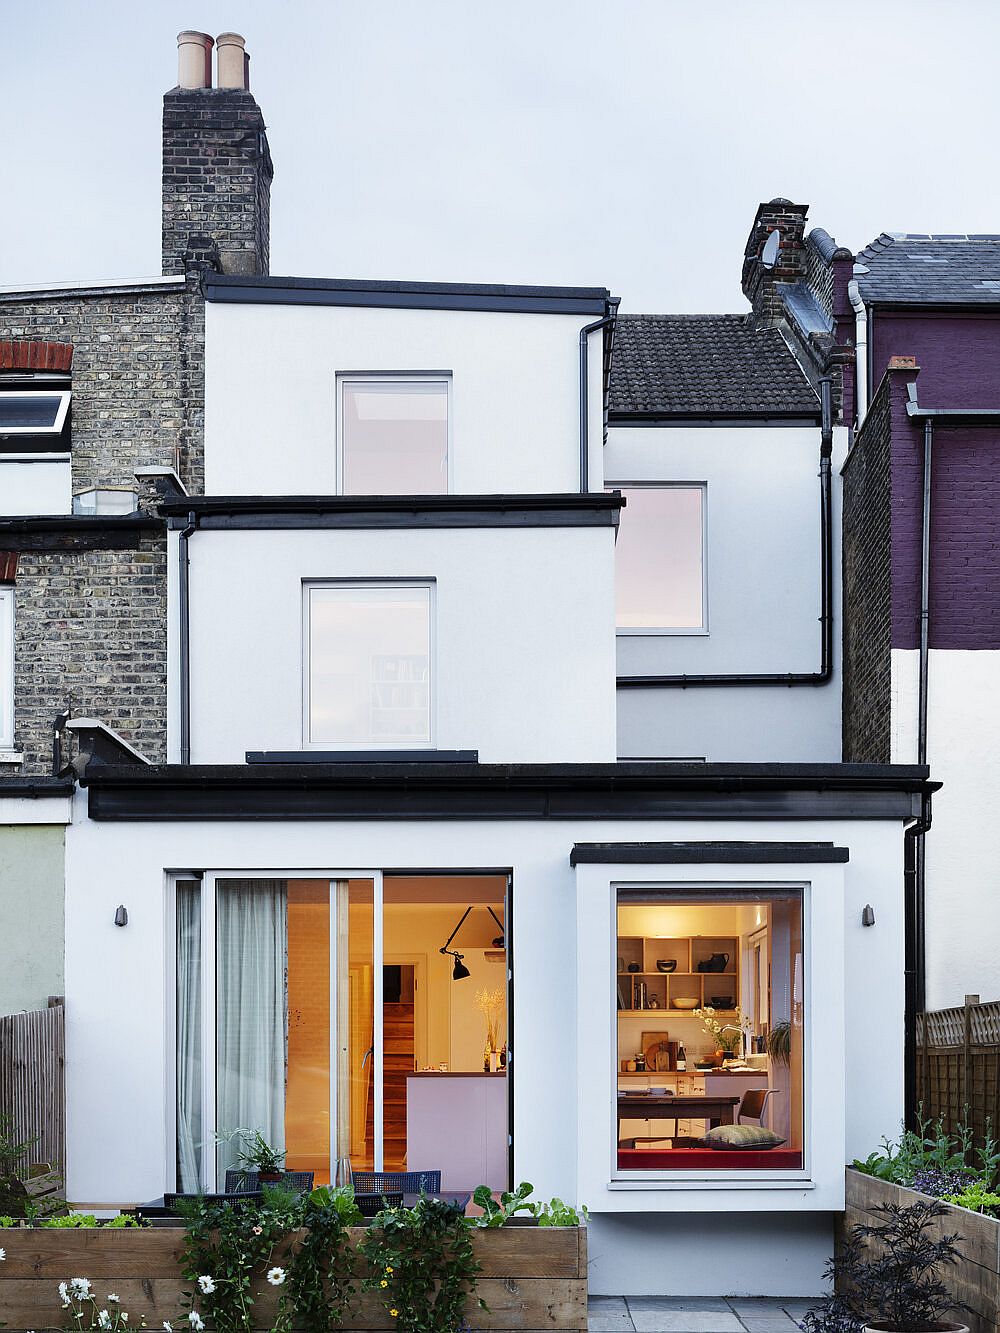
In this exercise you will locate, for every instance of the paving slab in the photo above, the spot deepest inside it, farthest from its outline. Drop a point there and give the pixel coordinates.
(716, 1304)
(778, 1322)
(684, 1321)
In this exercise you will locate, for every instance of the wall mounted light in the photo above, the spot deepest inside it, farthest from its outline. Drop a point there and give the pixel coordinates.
(868, 915)
(460, 971)
(121, 917)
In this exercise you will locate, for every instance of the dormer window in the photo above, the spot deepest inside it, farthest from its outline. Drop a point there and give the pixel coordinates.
(33, 411)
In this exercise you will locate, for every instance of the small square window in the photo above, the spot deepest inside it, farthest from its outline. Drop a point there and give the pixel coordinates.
(6, 667)
(394, 435)
(660, 560)
(30, 412)
(368, 665)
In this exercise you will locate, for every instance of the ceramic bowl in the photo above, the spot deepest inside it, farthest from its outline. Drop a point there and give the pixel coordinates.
(684, 1002)
(666, 964)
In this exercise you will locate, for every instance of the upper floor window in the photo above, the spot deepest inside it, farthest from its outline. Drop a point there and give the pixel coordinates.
(367, 665)
(393, 434)
(660, 584)
(6, 668)
(33, 412)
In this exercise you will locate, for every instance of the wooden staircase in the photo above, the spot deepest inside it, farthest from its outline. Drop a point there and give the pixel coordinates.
(397, 1037)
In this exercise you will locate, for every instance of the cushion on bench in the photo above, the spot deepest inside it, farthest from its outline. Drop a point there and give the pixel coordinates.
(708, 1159)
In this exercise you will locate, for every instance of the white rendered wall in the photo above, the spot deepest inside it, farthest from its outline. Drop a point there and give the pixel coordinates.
(523, 636)
(270, 399)
(35, 486)
(763, 603)
(117, 1147)
(963, 739)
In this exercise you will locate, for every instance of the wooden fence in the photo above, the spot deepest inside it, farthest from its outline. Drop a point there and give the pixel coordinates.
(958, 1066)
(32, 1082)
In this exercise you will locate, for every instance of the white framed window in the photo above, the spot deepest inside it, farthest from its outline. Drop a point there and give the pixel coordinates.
(33, 411)
(367, 665)
(393, 433)
(105, 500)
(6, 667)
(661, 566)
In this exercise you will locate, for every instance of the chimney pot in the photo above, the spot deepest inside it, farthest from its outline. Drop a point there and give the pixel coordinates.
(233, 60)
(194, 60)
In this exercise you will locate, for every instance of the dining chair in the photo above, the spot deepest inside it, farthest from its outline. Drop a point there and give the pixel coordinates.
(754, 1104)
(248, 1182)
(409, 1182)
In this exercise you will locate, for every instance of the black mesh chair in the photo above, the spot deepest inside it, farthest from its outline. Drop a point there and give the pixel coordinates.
(248, 1182)
(408, 1182)
(370, 1204)
(239, 1197)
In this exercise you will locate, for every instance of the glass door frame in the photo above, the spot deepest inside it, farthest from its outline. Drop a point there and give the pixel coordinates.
(209, 880)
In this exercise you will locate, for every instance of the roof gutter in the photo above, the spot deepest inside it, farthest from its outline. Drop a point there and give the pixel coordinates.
(184, 634)
(825, 672)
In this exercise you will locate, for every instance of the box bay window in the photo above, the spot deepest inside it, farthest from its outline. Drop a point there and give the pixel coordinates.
(710, 1029)
(660, 560)
(368, 665)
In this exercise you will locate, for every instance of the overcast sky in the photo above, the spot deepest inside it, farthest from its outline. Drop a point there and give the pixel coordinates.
(620, 144)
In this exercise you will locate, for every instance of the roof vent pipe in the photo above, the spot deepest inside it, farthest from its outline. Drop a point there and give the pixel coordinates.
(233, 61)
(194, 60)
(860, 348)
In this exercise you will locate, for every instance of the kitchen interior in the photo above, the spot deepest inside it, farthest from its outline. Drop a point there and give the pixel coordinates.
(709, 1009)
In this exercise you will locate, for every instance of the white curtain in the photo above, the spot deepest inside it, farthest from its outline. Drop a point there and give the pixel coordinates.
(251, 1012)
(189, 1036)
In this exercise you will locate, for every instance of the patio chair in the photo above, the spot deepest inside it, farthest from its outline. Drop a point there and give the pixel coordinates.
(248, 1182)
(409, 1182)
(370, 1204)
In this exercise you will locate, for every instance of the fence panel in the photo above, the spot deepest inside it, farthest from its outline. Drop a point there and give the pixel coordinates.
(958, 1066)
(32, 1082)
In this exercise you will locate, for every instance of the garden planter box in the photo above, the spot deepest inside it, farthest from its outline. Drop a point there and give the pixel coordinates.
(533, 1278)
(975, 1279)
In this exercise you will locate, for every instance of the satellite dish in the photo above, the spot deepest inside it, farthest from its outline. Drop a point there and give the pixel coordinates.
(769, 254)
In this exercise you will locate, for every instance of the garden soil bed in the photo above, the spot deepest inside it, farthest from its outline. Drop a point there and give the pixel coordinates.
(532, 1279)
(975, 1279)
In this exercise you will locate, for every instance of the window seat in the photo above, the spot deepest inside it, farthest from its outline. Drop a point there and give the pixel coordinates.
(710, 1159)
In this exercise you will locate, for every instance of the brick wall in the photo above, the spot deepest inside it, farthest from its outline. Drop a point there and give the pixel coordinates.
(138, 377)
(868, 587)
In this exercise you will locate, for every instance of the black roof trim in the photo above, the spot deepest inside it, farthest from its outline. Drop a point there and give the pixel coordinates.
(81, 523)
(396, 511)
(449, 791)
(748, 418)
(36, 787)
(707, 853)
(408, 295)
(362, 756)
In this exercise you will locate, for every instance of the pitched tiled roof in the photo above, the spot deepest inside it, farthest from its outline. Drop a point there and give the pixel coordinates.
(923, 269)
(705, 365)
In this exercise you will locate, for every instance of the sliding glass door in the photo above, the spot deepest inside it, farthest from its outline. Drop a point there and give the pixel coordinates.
(340, 1016)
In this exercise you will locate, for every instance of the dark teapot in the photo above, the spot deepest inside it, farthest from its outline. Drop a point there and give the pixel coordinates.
(717, 963)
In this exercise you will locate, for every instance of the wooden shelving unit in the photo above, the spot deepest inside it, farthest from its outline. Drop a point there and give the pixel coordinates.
(686, 982)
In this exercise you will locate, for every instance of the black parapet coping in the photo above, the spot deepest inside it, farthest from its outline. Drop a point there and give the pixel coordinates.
(596, 508)
(80, 524)
(707, 853)
(255, 290)
(36, 787)
(453, 791)
(362, 756)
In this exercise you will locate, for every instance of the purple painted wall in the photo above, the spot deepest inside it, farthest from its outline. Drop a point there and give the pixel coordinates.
(958, 355)
(965, 527)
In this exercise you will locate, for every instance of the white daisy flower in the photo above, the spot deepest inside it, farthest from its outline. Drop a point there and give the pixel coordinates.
(3, 1255)
(167, 1327)
(196, 1321)
(276, 1276)
(113, 1298)
(207, 1285)
(103, 1319)
(80, 1287)
(124, 1316)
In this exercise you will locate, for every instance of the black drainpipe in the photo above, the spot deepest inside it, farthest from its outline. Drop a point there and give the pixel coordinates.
(606, 323)
(184, 635)
(825, 672)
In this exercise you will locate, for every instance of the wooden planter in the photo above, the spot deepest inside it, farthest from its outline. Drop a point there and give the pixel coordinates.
(532, 1279)
(975, 1279)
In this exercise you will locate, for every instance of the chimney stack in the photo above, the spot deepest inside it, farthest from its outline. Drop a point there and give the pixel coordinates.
(217, 166)
(783, 260)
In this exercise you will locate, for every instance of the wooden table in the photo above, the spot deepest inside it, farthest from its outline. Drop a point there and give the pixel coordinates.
(717, 1109)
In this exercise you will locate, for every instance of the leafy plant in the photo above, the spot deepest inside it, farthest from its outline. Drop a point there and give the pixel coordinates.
(15, 1199)
(930, 1159)
(228, 1247)
(422, 1265)
(977, 1197)
(497, 1212)
(80, 1299)
(321, 1272)
(889, 1272)
(555, 1213)
(255, 1154)
(779, 1042)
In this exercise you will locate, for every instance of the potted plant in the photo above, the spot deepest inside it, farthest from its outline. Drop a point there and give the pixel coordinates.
(728, 1037)
(886, 1277)
(779, 1043)
(256, 1154)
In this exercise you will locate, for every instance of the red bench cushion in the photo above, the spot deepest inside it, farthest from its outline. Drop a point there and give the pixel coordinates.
(709, 1159)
